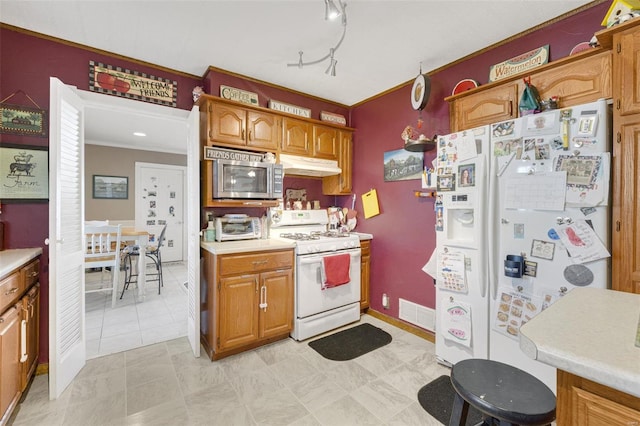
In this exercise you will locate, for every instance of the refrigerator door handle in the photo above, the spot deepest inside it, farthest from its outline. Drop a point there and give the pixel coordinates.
(493, 182)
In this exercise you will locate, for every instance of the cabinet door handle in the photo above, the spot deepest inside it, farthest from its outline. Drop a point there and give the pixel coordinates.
(13, 290)
(250, 136)
(23, 341)
(263, 298)
(242, 133)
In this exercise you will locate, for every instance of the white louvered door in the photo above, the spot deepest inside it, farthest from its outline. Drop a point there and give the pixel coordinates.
(67, 352)
(193, 230)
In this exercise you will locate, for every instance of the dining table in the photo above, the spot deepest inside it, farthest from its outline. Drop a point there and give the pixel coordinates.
(141, 239)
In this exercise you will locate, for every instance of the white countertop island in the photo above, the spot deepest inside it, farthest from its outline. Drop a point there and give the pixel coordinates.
(590, 333)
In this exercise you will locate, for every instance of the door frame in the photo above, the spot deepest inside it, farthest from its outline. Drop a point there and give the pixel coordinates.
(92, 100)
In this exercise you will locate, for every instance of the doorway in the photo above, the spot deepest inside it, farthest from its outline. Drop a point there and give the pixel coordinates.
(159, 201)
(109, 125)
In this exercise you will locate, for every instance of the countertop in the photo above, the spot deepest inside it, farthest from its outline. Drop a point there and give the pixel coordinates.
(363, 236)
(227, 247)
(12, 259)
(590, 333)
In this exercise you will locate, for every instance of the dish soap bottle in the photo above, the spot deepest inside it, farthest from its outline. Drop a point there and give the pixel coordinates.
(210, 233)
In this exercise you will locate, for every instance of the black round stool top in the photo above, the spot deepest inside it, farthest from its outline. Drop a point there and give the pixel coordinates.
(504, 392)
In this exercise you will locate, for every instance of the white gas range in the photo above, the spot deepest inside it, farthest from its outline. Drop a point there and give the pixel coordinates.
(318, 307)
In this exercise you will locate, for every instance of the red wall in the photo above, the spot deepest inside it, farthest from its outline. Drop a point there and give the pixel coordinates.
(27, 63)
(403, 232)
(404, 235)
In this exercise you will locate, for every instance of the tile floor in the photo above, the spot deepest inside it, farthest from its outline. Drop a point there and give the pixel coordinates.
(284, 383)
(134, 323)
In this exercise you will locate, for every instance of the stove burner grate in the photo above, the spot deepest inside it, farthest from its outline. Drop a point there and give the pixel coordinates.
(300, 236)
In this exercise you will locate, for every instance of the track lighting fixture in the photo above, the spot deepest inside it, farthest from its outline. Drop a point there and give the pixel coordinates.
(332, 11)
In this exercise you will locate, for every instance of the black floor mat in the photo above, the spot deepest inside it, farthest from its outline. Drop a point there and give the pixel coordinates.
(436, 397)
(351, 343)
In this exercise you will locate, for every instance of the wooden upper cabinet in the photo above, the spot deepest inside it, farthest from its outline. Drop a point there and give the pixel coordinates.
(577, 79)
(325, 142)
(341, 184)
(484, 107)
(227, 123)
(576, 83)
(627, 57)
(296, 137)
(234, 125)
(625, 235)
(263, 130)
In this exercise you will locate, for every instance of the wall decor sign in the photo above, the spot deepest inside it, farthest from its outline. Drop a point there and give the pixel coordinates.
(24, 173)
(290, 109)
(238, 95)
(111, 187)
(132, 84)
(211, 153)
(403, 165)
(520, 63)
(333, 118)
(21, 120)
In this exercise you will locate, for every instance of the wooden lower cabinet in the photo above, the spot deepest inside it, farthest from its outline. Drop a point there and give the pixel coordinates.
(10, 389)
(19, 333)
(365, 273)
(582, 402)
(30, 310)
(247, 302)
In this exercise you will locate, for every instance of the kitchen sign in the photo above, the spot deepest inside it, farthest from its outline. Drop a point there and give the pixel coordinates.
(524, 62)
(291, 109)
(132, 84)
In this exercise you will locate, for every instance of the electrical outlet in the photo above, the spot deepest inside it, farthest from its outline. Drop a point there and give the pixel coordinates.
(385, 301)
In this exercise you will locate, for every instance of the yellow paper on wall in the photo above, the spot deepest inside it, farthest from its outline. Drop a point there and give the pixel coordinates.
(370, 204)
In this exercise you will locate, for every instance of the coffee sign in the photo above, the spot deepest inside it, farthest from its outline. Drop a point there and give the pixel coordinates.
(132, 84)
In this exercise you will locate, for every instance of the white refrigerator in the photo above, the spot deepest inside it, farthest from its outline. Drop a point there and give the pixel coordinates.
(522, 217)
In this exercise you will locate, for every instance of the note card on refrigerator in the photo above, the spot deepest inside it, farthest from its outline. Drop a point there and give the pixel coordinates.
(370, 204)
(456, 321)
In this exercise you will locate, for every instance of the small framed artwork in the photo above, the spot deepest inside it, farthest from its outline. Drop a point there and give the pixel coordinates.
(587, 125)
(111, 187)
(467, 175)
(24, 174)
(401, 164)
(542, 249)
(21, 120)
(446, 183)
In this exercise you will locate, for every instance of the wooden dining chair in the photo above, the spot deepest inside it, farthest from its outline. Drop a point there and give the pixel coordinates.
(103, 251)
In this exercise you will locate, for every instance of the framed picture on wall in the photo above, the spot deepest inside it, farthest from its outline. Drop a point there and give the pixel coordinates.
(111, 187)
(401, 164)
(24, 174)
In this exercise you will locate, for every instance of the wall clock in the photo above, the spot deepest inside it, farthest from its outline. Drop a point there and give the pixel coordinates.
(420, 91)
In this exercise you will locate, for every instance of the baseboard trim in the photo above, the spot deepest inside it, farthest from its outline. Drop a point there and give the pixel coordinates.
(403, 325)
(42, 369)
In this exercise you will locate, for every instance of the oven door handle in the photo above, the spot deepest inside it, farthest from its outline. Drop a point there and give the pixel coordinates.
(317, 258)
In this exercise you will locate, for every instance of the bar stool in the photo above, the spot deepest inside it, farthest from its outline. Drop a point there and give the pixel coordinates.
(504, 394)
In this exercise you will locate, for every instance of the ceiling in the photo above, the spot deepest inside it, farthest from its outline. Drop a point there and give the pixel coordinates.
(386, 42)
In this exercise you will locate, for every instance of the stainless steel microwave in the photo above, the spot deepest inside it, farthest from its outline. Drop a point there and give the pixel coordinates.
(246, 180)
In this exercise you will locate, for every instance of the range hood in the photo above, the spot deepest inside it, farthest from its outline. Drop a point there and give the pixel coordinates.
(306, 166)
